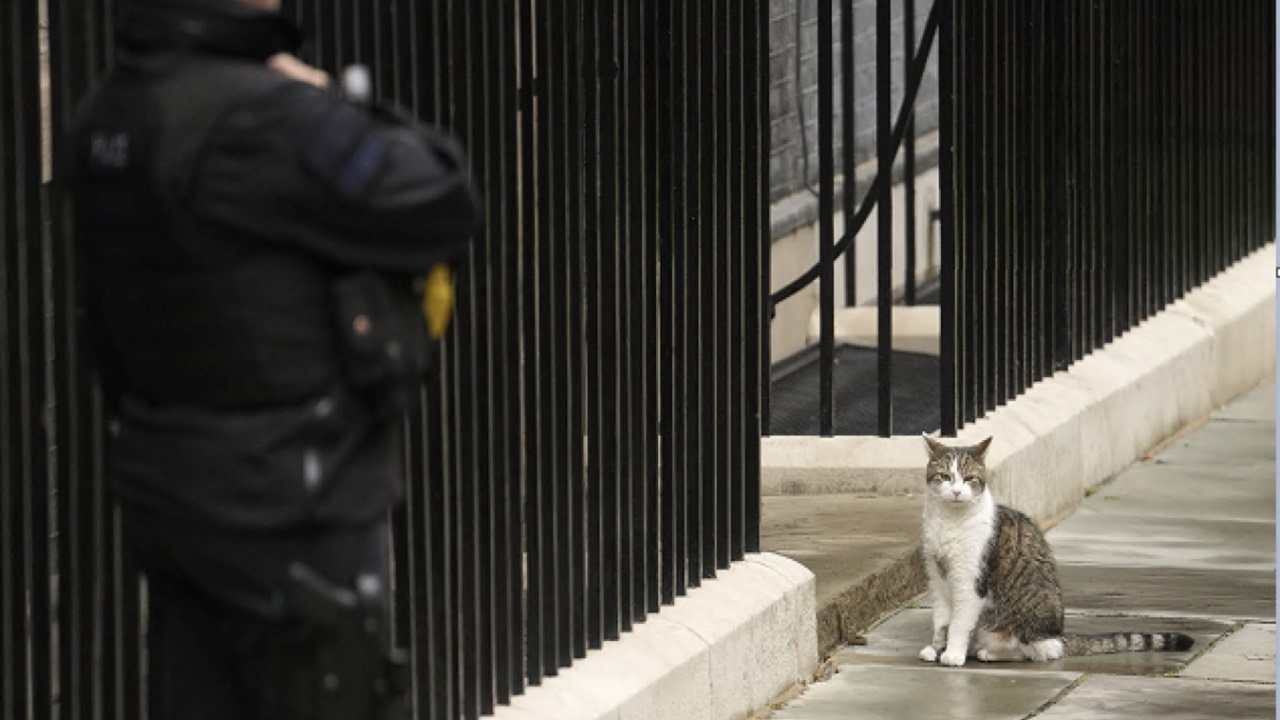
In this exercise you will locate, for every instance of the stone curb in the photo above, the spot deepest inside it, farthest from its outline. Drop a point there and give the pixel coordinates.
(846, 616)
(721, 652)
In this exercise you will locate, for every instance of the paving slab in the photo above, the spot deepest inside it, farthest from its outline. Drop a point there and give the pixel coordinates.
(1224, 441)
(1258, 405)
(1247, 655)
(1108, 696)
(1160, 489)
(1240, 595)
(926, 693)
(897, 640)
(1117, 539)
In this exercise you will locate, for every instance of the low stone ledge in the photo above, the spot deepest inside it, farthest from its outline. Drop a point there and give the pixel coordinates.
(722, 652)
(859, 606)
(915, 328)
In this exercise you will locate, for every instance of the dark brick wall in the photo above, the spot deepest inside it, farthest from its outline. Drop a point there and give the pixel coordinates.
(793, 86)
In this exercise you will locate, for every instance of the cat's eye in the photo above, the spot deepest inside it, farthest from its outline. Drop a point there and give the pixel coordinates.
(972, 480)
(937, 478)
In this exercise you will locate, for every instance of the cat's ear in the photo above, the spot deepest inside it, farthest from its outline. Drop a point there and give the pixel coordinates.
(980, 450)
(936, 449)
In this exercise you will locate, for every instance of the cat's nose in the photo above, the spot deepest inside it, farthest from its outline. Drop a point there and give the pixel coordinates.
(956, 493)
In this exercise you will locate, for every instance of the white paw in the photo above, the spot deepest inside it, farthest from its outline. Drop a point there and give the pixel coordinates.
(928, 654)
(986, 655)
(952, 658)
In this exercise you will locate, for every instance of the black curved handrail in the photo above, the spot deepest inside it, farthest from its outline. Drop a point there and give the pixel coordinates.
(899, 132)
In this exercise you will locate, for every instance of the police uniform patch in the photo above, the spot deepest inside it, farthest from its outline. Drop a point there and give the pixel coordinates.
(343, 153)
(359, 170)
(112, 151)
(109, 150)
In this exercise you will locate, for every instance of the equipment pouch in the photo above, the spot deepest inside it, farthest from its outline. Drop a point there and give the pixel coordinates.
(385, 347)
(332, 658)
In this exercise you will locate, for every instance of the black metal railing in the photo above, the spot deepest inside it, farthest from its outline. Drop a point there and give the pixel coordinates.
(588, 449)
(1107, 158)
(894, 131)
(1097, 161)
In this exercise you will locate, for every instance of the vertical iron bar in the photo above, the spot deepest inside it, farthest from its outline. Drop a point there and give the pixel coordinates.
(1001, 340)
(626, 304)
(1060, 233)
(949, 303)
(601, 355)
(1018, 199)
(1090, 180)
(1086, 182)
(1198, 139)
(534, 188)
(554, 206)
(560, 67)
(758, 266)
(909, 155)
(1238, 118)
(71, 34)
(826, 235)
(1033, 230)
(693, 297)
(973, 320)
(640, 117)
(510, 630)
(80, 49)
(668, 91)
(652, 443)
(709, 231)
(444, 565)
(683, 95)
(469, 476)
(884, 214)
(738, 242)
(29, 602)
(573, 587)
(1120, 120)
(727, 232)
(1265, 109)
(1214, 139)
(987, 279)
(634, 382)
(488, 108)
(13, 288)
(1168, 54)
(848, 141)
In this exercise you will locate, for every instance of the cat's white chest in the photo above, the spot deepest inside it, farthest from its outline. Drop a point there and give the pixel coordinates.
(957, 539)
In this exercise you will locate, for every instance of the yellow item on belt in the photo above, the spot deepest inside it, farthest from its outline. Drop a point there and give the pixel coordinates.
(437, 300)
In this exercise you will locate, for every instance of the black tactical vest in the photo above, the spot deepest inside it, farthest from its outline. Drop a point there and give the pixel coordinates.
(209, 316)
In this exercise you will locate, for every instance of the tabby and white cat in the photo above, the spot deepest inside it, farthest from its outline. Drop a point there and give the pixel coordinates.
(992, 575)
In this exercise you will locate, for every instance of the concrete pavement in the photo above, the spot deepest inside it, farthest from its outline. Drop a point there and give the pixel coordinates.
(1183, 541)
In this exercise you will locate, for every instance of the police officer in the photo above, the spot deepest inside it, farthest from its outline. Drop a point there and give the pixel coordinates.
(253, 248)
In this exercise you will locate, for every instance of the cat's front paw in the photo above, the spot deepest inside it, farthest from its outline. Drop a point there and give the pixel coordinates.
(928, 654)
(952, 658)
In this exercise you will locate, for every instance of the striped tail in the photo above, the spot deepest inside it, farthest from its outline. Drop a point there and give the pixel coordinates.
(1104, 643)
